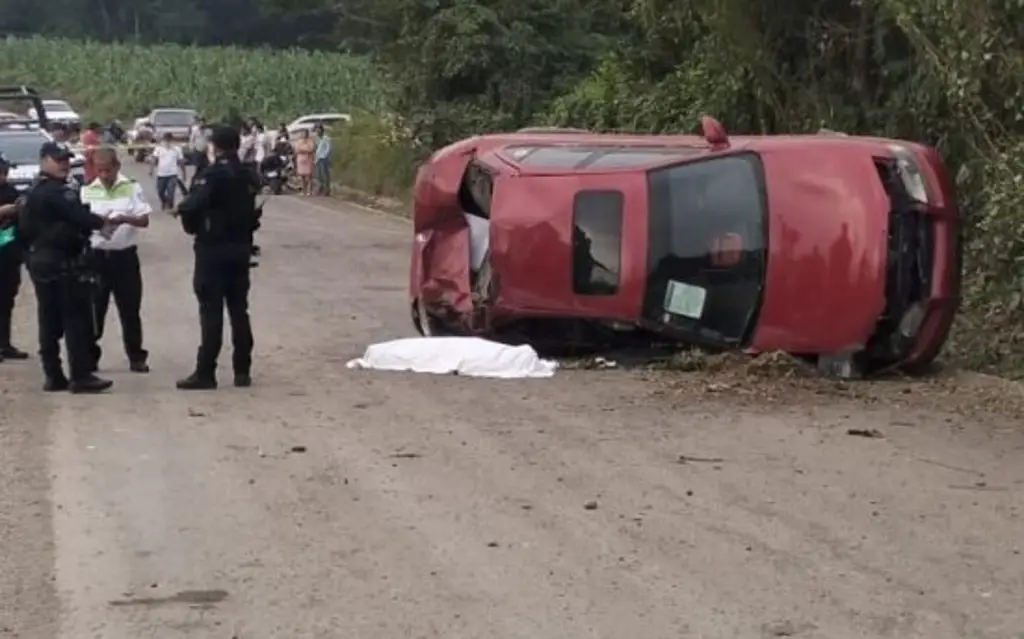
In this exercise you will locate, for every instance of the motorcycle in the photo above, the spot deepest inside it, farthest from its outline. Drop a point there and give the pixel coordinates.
(143, 139)
(277, 172)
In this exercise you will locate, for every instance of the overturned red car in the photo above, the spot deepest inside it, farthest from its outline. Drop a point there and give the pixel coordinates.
(840, 248)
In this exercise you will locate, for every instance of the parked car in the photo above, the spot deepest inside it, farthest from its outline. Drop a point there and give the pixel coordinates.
(843, 249)
(21, 149)
(308, 122)
(58, 112)
(177, 122)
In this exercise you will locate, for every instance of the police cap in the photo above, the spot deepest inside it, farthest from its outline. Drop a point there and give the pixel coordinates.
(55, 151)
(224, 138)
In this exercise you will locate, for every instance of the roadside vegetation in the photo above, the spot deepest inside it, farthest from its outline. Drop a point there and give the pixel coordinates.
(126, 80)
(945, 72)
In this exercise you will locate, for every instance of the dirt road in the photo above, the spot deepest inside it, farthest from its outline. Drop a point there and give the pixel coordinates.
(453, 508)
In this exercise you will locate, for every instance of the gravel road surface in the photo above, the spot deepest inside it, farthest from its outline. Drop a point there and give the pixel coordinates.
(325, 503)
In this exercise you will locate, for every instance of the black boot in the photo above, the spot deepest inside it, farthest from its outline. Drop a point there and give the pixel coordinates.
(138, 366)
(56, 384)
(198, 381)
(90, 384)
(9, 352)
(243, 380)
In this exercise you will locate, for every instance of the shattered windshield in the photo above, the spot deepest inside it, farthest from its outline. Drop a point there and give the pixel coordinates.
(707, 247)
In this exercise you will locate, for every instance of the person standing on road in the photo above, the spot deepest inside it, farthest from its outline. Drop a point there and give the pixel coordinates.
(91, 141)
(60, 135)
(10, 262)
(220, 213)
(197, 142)
(117, 257)
(56, 227)
(305, 149)
(167, 161)
(323, 161)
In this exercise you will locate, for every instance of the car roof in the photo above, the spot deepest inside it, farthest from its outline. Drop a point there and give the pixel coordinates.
(173, 109)
(22, 130)
(515, 149)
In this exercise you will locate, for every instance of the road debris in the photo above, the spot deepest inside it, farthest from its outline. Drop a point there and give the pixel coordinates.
(590, 505)
(405, 456)
(688, 459)
(870, 433)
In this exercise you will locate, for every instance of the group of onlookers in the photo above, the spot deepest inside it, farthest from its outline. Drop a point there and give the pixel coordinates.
(310, 153)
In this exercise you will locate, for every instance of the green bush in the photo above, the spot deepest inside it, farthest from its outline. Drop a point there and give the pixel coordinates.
(375, 155)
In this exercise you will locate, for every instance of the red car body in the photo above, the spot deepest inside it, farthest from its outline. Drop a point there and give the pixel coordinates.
(811, 244)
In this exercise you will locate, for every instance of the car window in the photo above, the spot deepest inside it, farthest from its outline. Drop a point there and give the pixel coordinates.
(623, 158)
(597, 242)
(707, 246)
(57, 105)
(21, 149)
(173, 118)
(551, 156)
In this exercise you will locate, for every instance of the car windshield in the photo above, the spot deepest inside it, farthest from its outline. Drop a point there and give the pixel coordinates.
(21, 148)
(173, 118)
(707, 247)
(56, 105)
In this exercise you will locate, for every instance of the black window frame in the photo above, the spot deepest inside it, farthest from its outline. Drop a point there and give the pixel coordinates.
(654, 290)
(592, 289)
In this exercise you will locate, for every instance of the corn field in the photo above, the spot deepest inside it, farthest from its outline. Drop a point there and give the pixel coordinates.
(122, 80)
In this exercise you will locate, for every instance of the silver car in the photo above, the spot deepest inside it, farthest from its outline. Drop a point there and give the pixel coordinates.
(177, 122)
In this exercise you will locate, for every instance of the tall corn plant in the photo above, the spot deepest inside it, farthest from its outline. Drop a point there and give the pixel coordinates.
(108, 80)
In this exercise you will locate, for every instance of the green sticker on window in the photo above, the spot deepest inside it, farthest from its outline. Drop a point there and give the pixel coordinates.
(685, 299)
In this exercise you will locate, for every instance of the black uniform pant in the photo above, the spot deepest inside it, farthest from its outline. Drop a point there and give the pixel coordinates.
(10, 282)
(221, 279)
(63, 305)
(120, 277)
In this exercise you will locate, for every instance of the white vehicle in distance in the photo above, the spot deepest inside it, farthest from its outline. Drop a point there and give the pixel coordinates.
(308, 122)
(58, 112)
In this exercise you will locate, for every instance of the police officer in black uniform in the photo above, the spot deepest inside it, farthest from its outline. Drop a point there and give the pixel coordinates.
(220, 212)
(10, 262)
(56, 227)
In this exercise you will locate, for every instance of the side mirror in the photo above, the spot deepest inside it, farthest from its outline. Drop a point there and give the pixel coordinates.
(714, 133)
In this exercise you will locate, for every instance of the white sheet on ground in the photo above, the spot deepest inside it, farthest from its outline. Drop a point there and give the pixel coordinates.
(469, 356)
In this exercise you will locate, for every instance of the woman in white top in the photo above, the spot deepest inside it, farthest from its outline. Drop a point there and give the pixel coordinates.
(246, 144)
(260, 142)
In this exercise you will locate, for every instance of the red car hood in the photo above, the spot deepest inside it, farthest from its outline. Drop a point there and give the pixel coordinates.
(827, 249)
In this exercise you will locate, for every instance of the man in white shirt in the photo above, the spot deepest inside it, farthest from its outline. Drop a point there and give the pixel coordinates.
(167, 160)
(117, 257)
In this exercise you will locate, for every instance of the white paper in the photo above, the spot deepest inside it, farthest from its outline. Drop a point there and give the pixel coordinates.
(685, 299)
